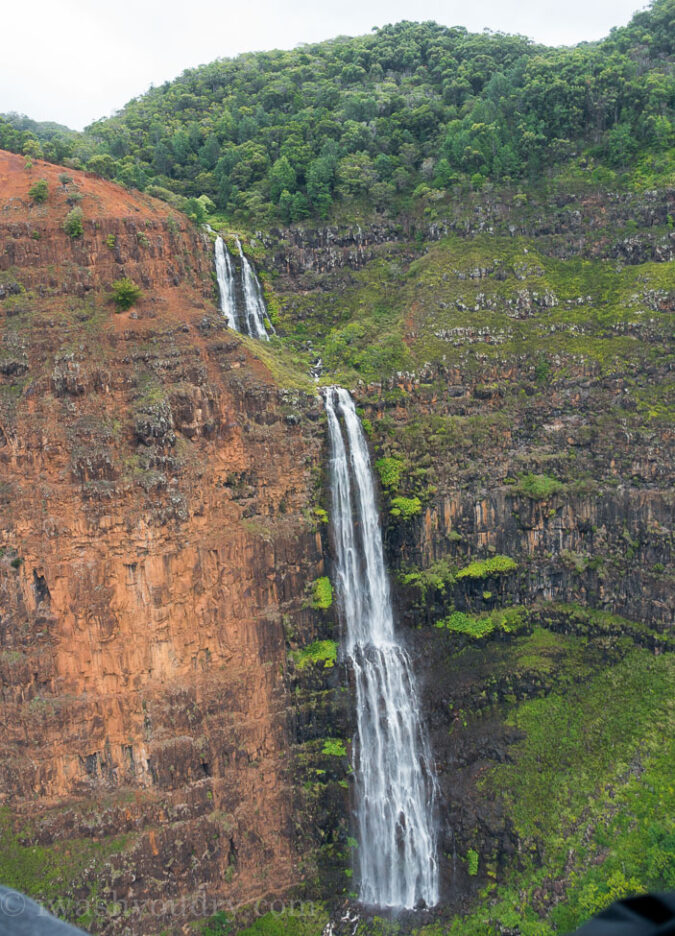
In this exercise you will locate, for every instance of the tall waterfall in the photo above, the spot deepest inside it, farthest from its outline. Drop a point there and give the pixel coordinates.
(244, 308)
(255, 310)
(395, 783)
(225, 277)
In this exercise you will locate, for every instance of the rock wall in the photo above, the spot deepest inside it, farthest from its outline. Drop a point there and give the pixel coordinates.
(155, 489)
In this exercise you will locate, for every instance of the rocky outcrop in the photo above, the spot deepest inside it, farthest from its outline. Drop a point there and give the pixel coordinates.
(625, 227)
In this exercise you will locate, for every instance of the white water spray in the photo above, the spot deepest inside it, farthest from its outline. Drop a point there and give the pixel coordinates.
(255, 311)
(395, 782)
(225, 277)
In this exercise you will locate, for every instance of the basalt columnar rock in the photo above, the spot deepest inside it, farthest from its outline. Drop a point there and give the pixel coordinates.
(155, 491)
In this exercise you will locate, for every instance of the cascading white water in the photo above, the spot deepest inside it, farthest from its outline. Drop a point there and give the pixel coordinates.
(255, 311)
(225, 277)
(395, 782)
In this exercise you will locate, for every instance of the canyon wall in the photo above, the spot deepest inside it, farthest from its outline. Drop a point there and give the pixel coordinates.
(156, 539)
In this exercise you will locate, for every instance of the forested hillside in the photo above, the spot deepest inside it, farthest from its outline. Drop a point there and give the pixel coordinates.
(399, 115)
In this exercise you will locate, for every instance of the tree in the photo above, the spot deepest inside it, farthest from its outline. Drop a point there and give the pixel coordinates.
(39, 191)
(125, 293)
(281, 177)
(73, 225)
(102, 165)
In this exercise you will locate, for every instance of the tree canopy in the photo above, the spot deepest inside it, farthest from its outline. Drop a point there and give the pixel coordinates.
(410, 108)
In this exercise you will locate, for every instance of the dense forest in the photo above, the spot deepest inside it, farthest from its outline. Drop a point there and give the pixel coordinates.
(410, 110)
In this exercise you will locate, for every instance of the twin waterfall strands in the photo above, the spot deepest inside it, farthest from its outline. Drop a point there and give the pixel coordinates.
(225, 277)
(395, 783)
(244, 309)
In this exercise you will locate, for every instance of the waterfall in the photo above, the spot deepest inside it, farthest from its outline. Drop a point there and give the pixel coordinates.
(252, 318)
(255, 310)
(225, 277)
(394, 780)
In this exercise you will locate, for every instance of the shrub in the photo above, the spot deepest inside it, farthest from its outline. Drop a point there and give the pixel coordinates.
(321, 651)
(472, 862)
(334, 747)
(39, 191)
(406, 507)
(73, 225)
(538, 487)
(390, 471)
(322, 593)
(484, 568)
(125, 293)
(504, 620)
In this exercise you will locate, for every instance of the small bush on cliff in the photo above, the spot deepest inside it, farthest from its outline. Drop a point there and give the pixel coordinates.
(334, 747)
(73, 225)
(484, 568)
(322, 594)
(321, 651)
(538, 487)
(125, 293)
(438, 576)
(405, 507)
(39, 191)
(507, 620)
(390, 471)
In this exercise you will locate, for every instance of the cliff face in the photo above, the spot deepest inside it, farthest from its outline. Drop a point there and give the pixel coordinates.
(515, 379)
(175, 723)
(154, 489)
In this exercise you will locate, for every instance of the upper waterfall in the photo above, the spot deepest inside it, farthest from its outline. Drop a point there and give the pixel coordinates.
(254, 304)
(243, 306)
(225, 277)
(395, 781)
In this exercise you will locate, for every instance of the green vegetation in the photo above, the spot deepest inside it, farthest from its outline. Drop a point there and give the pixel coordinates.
(307, 919)
(405, 507)
(73, 224)
(381, 120)
(47, 872)
(472, 862)
(125, 293)
(537, 487)
(589, 789)
(321, 651)
(322, 593)
(506, 620)
(438, 576)
(484, 568)
(334, 747)
(217, 925)
(39, 191)
(390, 471)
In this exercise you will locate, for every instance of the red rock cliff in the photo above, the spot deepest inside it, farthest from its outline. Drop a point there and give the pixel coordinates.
(152, 538)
